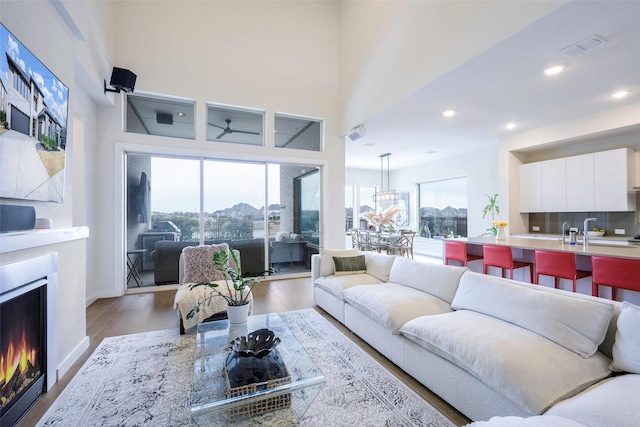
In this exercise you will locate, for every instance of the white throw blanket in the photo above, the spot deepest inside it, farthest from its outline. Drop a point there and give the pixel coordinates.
(186, 299)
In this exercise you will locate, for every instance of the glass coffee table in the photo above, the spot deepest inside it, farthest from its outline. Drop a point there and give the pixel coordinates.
(272, 405)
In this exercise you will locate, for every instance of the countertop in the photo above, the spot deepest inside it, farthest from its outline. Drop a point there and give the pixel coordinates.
(594, 248)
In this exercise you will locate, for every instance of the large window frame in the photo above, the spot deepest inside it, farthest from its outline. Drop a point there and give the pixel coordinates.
(442, 208)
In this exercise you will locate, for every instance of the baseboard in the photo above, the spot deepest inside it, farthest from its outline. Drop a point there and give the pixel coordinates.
(67, 363)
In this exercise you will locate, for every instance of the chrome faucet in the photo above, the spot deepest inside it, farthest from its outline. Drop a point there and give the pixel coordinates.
(564, 235)
(585, 238)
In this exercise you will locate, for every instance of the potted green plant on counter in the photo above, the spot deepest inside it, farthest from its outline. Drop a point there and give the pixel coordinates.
(238, 288)
(492, 209)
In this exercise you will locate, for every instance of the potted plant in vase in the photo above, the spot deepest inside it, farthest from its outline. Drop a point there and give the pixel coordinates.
(238, 288)
(494, 210)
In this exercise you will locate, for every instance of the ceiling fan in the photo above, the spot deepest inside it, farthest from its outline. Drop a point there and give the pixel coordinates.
(229, 130)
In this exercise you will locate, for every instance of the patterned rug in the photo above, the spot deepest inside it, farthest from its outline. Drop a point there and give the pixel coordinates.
(145, 379)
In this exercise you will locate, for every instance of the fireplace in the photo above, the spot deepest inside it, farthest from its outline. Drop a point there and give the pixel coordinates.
(27, 291)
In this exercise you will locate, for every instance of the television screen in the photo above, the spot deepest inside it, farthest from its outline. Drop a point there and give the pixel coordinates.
(33, 125)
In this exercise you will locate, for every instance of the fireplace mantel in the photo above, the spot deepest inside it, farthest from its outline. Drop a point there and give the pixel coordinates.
(15, 241)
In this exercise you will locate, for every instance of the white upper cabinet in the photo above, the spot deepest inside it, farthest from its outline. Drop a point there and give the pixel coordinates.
(614, 177)
(531, 187)
(596, 182)
(554, 185)
(580, 187)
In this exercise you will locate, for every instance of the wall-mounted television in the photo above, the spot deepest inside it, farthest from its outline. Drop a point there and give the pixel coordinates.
(33, 125)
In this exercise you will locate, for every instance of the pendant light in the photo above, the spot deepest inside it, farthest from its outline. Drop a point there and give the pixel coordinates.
(385, 195)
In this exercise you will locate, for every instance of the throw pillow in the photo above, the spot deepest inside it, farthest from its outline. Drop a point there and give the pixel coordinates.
(327, 267)
(198, 263)
(349, 265)
(626, 349)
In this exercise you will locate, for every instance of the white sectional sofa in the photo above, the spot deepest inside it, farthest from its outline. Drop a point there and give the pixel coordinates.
(490, 347)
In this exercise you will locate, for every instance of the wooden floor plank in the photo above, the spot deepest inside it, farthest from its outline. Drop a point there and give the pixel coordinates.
(142, 312)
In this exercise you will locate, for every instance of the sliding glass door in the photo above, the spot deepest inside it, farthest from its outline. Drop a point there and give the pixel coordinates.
(267, 211)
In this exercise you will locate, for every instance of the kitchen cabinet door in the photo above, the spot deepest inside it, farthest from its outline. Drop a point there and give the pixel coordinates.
(531, 187)
(554, 185)
(580, 187)
(614, 175)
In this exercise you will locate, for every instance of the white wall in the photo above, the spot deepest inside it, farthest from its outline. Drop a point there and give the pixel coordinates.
(480, 168)
(390, 49)
(276, 56)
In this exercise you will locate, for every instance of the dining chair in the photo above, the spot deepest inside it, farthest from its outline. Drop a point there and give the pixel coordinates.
(377, 242)
(501, 257)
(619, 273)
(457, 251)
(559, 265)
(403, 245)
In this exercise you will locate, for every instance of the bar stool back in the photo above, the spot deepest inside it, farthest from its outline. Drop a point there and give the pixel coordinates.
(620, 273)
(501, 257)
(560, 265)
(458, 251)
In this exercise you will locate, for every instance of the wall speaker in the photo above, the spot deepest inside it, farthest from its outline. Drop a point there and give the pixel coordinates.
(17, 218)
(356, 133)
(164, 118)
(121, 79)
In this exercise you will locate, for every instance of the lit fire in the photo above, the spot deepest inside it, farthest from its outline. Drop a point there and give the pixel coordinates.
(17, 363)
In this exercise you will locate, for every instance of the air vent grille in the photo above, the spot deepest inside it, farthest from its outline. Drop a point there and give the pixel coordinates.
(583, 45)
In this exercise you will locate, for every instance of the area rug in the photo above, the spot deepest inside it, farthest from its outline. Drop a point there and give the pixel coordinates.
(145, 379)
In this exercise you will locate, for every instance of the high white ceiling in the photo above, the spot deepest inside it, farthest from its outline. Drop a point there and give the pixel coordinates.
(506, 84)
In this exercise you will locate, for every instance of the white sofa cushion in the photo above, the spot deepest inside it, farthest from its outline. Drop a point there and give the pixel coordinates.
(524, 367)
(612, 402)
(327, 267)
(626, 349)
(337, 284)
(379, 265)
(392, 304)
(578, 324)
(436, 279)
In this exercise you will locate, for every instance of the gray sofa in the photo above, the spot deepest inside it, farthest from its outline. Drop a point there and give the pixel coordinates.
(166, 257)
(486, 345)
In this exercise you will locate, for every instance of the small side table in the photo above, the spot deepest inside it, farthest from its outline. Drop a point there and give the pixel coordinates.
(134, 261)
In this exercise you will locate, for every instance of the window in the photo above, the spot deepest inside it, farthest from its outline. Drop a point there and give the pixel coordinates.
(235, 125)
(297, 133)
(152, 115)
(348, 207)
(366, 204)
(205, 200)
(443, 207)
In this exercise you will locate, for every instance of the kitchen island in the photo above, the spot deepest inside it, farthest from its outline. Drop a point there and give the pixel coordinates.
(523, 250)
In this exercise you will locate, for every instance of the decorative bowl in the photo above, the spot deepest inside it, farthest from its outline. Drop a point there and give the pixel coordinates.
(595, 233)
(255, 344)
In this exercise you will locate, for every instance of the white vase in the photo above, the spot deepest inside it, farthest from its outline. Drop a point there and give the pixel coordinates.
(238, 313)
(501, 235)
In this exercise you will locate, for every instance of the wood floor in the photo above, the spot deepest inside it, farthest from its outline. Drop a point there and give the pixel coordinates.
(144, 312)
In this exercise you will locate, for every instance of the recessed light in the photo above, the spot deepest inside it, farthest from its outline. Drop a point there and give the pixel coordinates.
(511, 125)
(180, 114)
(448, 113)
(620, 94)
(554, 70)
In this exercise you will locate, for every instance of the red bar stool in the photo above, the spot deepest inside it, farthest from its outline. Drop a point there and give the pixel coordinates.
(620, 273)
(501, 257)
(458, 251)
(560, 265)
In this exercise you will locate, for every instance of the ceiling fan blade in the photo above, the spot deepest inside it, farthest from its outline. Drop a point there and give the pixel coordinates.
(222, 134)
(247, 132)
(211, 124)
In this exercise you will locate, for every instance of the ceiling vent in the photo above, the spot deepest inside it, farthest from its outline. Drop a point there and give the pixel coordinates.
(583, 45)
